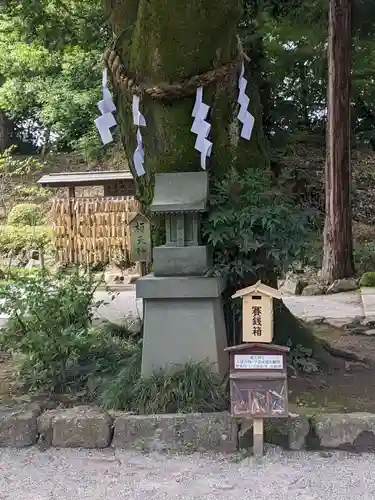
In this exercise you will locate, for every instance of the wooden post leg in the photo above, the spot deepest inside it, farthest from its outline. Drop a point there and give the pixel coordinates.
(258, 437)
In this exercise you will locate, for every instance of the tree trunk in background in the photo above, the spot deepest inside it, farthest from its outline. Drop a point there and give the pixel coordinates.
(6, 132)
(338, 240)
(168, 41)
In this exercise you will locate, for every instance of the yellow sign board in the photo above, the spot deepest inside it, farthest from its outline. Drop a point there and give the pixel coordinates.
(257, 312)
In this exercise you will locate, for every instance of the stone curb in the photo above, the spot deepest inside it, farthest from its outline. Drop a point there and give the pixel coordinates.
(90, 427)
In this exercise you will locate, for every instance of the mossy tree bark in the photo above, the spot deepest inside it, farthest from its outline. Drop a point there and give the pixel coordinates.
(168, 41)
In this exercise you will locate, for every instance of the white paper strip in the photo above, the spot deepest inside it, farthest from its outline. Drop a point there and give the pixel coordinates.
(139, 155)
(105, 78)
(198, 101)
(105, 133)
(106, 106)
(201, 127)
(138, 118)
(243, 100)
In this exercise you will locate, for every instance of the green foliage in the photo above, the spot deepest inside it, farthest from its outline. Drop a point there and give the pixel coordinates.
(301, 360)
(255, 231)
(364, 257)
(367, 279)
(27, 214)
(19, 238)
(50, 319)
(50, 58)
(193, 387)
(11, 166)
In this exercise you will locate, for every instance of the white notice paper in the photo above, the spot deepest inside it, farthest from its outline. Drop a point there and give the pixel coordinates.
(258, 361)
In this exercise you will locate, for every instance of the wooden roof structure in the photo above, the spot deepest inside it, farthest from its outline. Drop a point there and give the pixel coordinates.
(73, 179)
(259, 287)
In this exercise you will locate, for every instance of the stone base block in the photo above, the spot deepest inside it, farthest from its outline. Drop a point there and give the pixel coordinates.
(182, 261)
(18, 427)
(79, 427)
(183, 433)
(183, 320)
(355, 431)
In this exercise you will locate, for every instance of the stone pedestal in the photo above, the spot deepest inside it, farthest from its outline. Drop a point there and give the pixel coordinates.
(183, 319)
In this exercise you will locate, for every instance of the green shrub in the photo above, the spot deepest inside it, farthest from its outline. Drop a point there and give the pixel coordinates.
(367, 280)
(27, 214)
(18, 238)
(364, 257)
(50, 328)
(50, 325)
(193, 387)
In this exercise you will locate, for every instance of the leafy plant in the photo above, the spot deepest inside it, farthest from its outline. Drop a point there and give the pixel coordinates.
(367, 280)
(27, 214)
(253, 228)
(193, 387)
(364, 257)
(301, 360)
(50, 318)
(11, 166)
(18, 238)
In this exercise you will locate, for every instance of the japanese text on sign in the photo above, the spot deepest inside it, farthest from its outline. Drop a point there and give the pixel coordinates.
(258, 361)
(140, 239)
(257, 320)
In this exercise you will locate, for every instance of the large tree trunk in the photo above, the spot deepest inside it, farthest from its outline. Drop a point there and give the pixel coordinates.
(164, 41)
(338, 244)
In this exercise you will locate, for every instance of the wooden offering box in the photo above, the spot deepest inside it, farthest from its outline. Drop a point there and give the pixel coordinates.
(258, 381)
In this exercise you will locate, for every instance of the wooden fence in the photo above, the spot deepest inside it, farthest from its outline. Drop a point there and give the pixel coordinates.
(92, 230)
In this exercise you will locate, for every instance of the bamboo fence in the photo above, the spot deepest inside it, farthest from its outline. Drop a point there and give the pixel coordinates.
(92, 230)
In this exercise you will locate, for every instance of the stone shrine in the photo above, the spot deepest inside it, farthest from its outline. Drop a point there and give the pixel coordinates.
(183, 314)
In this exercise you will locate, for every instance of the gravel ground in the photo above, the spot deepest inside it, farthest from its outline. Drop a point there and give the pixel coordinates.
(30, 474)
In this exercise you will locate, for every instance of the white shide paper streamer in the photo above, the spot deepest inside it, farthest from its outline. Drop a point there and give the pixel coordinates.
(106, 106)
(201, 128)
(244, 116)
(139, 121)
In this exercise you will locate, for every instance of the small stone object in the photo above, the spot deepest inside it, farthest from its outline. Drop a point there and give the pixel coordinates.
(343, 285)
(118, 279)
(34, 254)
(18, 426)
(133, 278)
(79, 427)
(32, 264)
(313, 289)
(293, 286)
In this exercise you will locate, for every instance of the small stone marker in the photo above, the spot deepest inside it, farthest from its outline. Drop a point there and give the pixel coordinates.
(258, 374)
(140, 239)
(257, 312)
